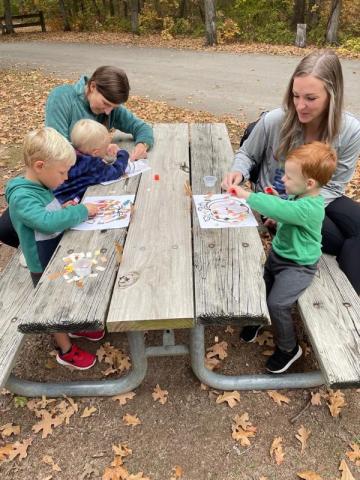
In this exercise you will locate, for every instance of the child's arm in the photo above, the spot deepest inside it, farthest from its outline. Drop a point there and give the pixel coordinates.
(33, 214)
(239, 192)
(116, 169)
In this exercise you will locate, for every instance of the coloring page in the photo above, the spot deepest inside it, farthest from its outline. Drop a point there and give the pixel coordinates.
(133, 168)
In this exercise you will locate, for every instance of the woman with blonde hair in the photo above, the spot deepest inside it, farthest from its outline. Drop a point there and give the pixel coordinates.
(312, 111)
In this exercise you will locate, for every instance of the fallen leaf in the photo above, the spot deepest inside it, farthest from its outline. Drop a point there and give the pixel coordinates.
(278, 397)
(345, 472)
(303, 436)
(20, 402)
(229, 329)
(88, 411)
(203, 386)
(242, 429)
(336, 401)
(131, 420)
(354, 456)
(309, 475)
(232, 398)
(218, 349)
(315, 398)
(267, 353)
(122, 399)
(49, 461)
(177, 471)
(212, 363)
(138, 476)
(121, 450)
(265, 338)
(46, 424)
(12, 450)
(160, 395)
(276, 450)
(9, 429)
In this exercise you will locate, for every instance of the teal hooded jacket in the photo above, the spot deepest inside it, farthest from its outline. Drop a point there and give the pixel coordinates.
(38, 219)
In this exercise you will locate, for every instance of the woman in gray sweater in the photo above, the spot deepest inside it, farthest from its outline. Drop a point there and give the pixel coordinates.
(312, 110)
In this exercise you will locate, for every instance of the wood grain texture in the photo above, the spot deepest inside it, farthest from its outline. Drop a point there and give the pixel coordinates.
(61, 307)
(228, 263)
(154, 287)
(330, 310)
(16, 291)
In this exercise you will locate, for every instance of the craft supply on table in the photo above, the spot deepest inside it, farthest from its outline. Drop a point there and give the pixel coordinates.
(209, 180)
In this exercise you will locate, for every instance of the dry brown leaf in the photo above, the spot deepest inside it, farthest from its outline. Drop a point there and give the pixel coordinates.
(231, 398)
(218, 349)
(267, 353)
(309, 475)
(131, 420)
(46, 424)
(137, 476)
(115, 473)
(11, 450)
(49, 461)
(203, 386)
(242, 429)
(88, 411)
(315, 398)
(243, 421)
(265, 338)
(336, 401)
(345, 471)
(276, 450)
(177, 471)
(122, 450)
(161, 395)
(212, 363)
(229, 329)
(278, 398)
(354, 456)
(122, 399)
(303, 436)
(9, 429)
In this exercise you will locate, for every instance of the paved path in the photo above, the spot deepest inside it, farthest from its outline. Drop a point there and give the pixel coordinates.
(216, 82)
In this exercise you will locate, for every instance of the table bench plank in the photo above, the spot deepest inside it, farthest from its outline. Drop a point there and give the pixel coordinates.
(330, 309)
(228, 263)
(59, 306)
(154, 286)
(11, 301)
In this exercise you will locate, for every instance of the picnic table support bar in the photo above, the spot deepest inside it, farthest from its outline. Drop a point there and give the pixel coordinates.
(90, 388)
(244, 382)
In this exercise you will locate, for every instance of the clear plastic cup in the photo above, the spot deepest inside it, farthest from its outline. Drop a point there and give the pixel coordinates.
(209, 180)
(82, 267)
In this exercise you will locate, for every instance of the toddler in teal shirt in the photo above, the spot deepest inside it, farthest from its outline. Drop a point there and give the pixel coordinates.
(296, 247)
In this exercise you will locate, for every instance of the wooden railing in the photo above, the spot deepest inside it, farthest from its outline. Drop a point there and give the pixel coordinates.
(16, 22)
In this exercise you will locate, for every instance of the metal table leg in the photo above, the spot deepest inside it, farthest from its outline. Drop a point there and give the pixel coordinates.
(244, 382)
(90, 388)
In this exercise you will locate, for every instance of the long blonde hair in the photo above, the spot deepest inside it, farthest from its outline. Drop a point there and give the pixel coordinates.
(325, 66)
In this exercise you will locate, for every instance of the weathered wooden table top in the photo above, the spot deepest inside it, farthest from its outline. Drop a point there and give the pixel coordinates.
(172, 273)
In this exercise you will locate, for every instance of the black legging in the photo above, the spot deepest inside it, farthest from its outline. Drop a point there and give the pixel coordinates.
(341, 236)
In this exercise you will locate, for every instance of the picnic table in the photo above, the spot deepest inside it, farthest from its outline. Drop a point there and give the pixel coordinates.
(162, 272)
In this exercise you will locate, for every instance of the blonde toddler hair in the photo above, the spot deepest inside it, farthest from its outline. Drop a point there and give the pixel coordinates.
(87, 135)
(47, 145)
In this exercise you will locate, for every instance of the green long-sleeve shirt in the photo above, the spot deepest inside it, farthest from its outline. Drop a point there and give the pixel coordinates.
(38, 218)
(298, 235)
(67, 104)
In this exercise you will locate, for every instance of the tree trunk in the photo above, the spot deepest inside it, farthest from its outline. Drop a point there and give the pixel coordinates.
(299, 13)
(112, 9)
(210, 22)
(300, 40)
(64, 14)
(97, 10)
(313, 13)
(333, 23)
(8, 17)
(134, 5)
(182, 8)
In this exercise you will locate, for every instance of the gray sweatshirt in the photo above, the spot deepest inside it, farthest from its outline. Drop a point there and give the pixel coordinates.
(263, 143)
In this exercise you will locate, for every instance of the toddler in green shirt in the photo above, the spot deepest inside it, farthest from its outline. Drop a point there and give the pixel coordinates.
(296, 247)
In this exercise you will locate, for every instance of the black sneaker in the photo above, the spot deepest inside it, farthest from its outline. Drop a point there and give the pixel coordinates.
(249, 333)
(280, 361)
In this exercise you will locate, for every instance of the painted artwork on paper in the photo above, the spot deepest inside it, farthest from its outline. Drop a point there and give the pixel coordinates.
(223, 211)
(114, 212)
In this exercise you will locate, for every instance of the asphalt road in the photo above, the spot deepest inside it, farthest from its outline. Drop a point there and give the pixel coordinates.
(221, 83)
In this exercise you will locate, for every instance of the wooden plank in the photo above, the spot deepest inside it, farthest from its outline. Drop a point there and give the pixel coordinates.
(330, 309)
(61, 307)
(154, 288)
(16, 289)
(228, 263)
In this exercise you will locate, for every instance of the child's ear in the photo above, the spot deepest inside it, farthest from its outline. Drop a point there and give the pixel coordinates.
(311, 183)
(38, 165)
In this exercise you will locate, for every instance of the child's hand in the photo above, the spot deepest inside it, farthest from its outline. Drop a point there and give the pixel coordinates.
(237, 191)
(70, 203)
(112, 150)
(271, 191)
(92, 209)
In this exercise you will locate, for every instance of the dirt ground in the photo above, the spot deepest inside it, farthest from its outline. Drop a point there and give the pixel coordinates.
(190, 436)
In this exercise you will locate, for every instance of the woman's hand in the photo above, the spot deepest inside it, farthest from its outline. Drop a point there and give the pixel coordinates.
(140, 151)
(231, 179)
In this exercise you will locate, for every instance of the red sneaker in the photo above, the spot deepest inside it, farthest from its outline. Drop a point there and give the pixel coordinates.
(76, 358)
(92, 336)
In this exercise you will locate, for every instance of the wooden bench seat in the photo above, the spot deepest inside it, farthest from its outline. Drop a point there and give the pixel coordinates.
(20, 23)
(16, 289)
(330, 310)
